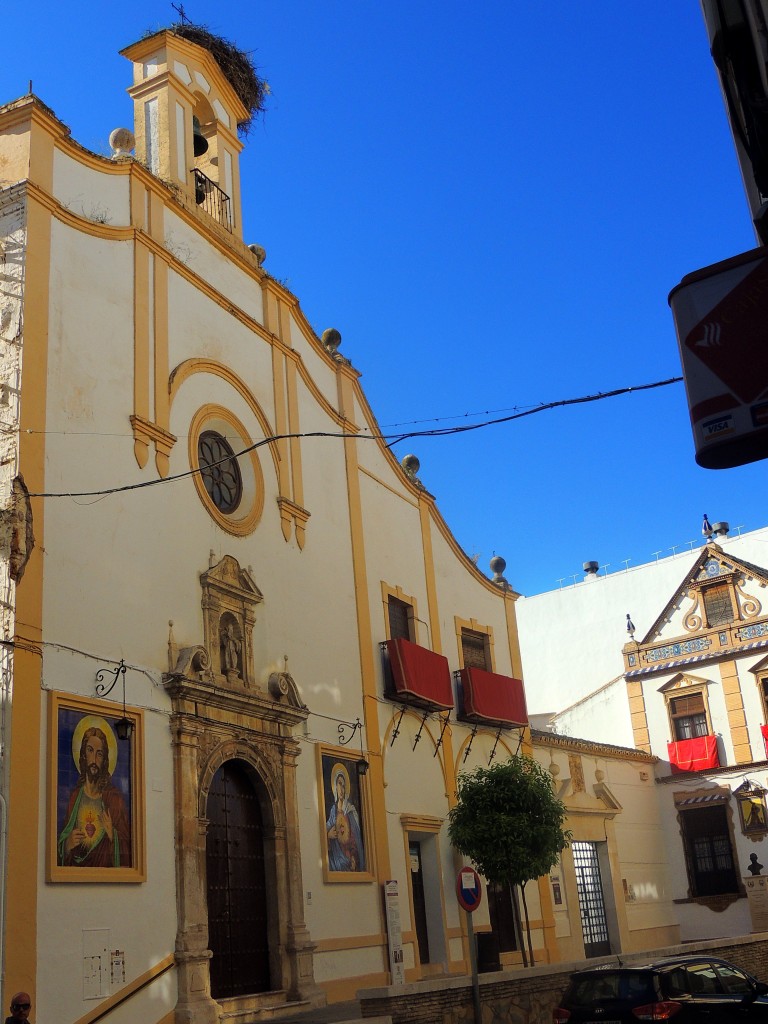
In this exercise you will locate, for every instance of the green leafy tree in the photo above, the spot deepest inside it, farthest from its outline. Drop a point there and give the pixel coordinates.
(510, 824)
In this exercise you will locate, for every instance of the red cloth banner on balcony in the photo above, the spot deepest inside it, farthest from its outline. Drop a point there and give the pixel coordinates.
(764, 731)
(497, 700)
(694, 755)
(420, 676)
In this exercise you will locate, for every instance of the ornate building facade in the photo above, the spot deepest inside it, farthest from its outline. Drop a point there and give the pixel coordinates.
(241, 670)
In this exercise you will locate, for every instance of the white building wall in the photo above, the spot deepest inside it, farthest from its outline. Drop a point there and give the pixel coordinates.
(589, 620)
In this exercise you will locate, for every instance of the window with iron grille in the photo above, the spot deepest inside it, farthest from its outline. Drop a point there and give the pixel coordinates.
(400, 616)
(689, 716)
(709, 854)
(717, 604)
(474, 649)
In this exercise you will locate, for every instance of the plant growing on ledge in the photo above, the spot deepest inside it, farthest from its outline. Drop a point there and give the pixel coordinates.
(509, 823)
(237, 65)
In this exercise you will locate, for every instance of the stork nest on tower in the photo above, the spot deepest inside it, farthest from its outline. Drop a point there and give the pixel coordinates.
(238, 68)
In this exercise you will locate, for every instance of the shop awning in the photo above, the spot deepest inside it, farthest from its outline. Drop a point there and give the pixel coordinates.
(420, 676)
(493, 699)
(694, 755)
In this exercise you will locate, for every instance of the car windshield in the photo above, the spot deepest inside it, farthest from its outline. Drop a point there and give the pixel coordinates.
(635, 986)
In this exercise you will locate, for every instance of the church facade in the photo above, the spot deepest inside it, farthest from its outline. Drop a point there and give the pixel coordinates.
(241, 669)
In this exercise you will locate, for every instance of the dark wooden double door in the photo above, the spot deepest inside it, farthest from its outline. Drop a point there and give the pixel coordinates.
(237, 889)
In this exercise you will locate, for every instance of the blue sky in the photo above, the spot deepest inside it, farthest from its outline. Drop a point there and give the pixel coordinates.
(491, 204)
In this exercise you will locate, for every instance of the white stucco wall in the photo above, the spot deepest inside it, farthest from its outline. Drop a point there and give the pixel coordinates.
(589, 621)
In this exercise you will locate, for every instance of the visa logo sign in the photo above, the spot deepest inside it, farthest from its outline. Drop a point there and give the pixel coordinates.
(718, 427)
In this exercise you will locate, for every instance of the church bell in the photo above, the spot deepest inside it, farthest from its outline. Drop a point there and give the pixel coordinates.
(199, 141)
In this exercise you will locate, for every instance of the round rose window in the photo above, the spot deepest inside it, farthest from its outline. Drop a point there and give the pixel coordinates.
(220, 471)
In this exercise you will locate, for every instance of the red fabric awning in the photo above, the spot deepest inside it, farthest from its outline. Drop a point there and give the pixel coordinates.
(420, 676)
(491, 698)
(764, 731)
(694, 755)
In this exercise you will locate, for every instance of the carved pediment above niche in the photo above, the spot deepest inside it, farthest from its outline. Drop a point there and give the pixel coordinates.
(230, 598)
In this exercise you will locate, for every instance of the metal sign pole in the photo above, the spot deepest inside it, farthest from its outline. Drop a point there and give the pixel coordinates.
(473, 964)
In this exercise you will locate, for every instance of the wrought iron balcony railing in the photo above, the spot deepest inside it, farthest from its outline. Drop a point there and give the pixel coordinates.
(210, 197)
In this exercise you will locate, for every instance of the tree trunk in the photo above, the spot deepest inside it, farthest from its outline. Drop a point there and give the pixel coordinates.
(527, 925)
(518, 925)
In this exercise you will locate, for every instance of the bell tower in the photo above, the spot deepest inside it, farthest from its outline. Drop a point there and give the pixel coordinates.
(186, 114)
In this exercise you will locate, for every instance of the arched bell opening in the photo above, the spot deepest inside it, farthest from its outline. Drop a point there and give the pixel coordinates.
(207, 171)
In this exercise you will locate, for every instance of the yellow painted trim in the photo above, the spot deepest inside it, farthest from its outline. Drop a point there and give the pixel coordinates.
(413, 610)
(692, 687)
(294, 427)
(421, 823)
(474, 627)
(24, 785)
(41, 150)
(160, 309)
(162, 197)
(365, 643)
(129, 990)
(414, 823)
(194, 54)
(342, 990)
(239, 523)
(382, 483)
(513, 636)
(369, 875)
(190, 367)
(426, 505)
(30, 110)
(74, 220)
(737, 720)
(349, 942)
(58, 873)
(595, 749)
(346, 424)
(639, 718)
(139, 203)
(281, 418)
(141, 357)
(441, 753)
(429, 575)
(548, 920)
(491, 735)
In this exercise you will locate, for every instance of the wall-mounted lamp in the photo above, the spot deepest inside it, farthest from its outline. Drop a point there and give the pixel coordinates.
(124, 725)
(361, 764)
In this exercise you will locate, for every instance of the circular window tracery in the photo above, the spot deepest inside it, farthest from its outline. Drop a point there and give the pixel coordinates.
(229, 484)
(220, 471)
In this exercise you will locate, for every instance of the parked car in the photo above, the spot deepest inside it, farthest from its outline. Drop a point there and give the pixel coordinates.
(686, 989)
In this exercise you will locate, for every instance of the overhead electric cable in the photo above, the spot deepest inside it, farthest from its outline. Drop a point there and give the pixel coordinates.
(389, 438)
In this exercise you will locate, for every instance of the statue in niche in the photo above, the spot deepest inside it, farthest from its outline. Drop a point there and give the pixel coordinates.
(231, 647)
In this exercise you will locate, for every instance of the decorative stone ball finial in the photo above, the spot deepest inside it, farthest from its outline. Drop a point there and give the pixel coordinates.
(259, 252)
(497, 566)
(411, 465)
(121, 142)
(331, 339)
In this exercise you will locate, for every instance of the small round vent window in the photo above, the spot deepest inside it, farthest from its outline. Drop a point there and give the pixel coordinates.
(220, 471)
